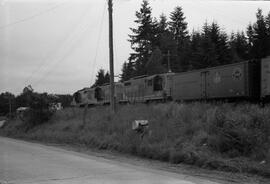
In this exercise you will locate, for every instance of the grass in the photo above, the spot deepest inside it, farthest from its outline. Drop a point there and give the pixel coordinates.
(216, 136)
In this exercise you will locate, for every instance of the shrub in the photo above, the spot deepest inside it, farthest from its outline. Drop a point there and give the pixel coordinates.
(34, 117)
(240, 132)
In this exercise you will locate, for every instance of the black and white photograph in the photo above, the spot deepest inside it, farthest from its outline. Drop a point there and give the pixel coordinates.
(134, 92)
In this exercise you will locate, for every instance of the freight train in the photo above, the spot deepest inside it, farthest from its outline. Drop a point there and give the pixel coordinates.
(249, 80)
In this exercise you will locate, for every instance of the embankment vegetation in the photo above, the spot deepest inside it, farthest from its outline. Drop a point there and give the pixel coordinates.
(216, 136)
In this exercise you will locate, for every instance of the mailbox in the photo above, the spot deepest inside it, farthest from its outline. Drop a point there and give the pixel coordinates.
(139, 124)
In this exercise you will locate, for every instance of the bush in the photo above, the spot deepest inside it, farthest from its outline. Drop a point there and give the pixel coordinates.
(34, 117)
(240, 132)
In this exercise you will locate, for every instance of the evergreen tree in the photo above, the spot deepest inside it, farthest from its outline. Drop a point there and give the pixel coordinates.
(208, 54)
(143, 39)
(6, 99)
(178, 27)
(162, 25)
(213, 48)
(250, 39)
(154, 65)
(267, 22)
(196, 50)
(260, 45)
(239, 46)
(101, 78)
(220, 41)
(166, 43)
(258, 37)
(128, 71)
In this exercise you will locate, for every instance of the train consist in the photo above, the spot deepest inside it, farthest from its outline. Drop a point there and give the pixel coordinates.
(248, 80)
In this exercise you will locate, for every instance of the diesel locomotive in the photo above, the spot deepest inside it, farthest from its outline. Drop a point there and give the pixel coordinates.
(249, 80)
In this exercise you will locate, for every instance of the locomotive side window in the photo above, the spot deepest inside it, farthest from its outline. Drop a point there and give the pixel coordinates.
(157, 83)
(127, 84)
(77, 97)
(150, 82)
(98, 95)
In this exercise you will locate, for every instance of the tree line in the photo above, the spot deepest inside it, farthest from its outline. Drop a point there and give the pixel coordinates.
(29, 98)
(155, 41)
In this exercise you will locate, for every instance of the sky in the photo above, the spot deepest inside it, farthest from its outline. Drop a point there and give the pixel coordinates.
(58, 46)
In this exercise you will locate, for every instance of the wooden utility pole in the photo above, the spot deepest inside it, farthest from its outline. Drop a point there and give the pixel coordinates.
(9, 101)
(112, 100)
(169, 61)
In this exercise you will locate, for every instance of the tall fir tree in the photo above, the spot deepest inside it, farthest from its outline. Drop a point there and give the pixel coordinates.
(260, 45)
(207, 47)
(162, 25)
(101, 78)
(221, 44)
(267, 21)
(196, 50)
(213, 46)
(128, 71)
(166, 43)
(178, 27)
(143, 39)
(239, 46)
(250, 38)
(154, 64)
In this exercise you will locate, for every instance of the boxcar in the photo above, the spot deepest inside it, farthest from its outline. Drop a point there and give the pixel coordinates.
(238, 80)
(265, 78)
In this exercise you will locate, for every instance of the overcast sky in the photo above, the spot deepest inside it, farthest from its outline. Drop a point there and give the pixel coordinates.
(58, 46)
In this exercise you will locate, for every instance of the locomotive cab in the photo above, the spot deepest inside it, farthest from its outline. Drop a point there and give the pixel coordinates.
(158, 87)
(158, 83)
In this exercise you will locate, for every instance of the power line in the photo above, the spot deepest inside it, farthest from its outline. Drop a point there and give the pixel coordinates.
(98, 40)
(30, 17)
(54, 51)
(62, 59)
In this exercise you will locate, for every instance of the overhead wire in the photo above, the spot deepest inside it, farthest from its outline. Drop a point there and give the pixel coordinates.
(38, 82)
(30, 17)
(98, 40)
(73, 43)
(55, 51)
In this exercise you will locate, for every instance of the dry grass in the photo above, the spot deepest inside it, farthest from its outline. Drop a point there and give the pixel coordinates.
(216, 136)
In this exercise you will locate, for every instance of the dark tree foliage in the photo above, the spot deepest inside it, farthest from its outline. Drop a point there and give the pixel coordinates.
(38, 103)
(65, 100)
(267, 22)
(259, 36)
(210, 47)
(128, 71)
(143, 38)
(166, 44)
(239, 46)
(178, 27)
(162, 25)
(101, 78)
(154, 65)
(196, 51)
(153, 39)
(7, 101)
(250, 39)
